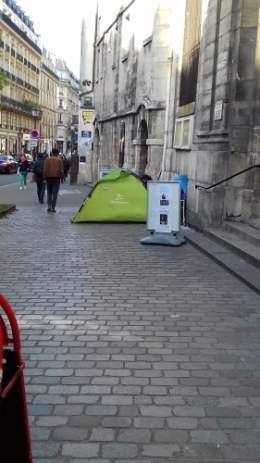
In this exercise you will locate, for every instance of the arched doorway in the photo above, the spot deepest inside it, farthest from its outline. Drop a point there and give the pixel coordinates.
(143, 135)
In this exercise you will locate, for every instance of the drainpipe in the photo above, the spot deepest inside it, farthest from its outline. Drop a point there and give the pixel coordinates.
(166, 129)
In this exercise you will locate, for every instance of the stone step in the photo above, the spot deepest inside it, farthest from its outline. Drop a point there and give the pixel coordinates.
(255, 223)
(235, 244)
(245, 232)
(238, 267)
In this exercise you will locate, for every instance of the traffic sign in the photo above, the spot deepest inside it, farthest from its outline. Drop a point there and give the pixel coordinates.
(34, 134)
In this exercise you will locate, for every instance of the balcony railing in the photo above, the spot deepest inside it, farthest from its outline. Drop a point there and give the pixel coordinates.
(10, 103)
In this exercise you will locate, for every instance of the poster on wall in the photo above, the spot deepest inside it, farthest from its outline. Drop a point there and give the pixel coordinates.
(85, 134)
(87, 100)
(87, 117)
(75, 119)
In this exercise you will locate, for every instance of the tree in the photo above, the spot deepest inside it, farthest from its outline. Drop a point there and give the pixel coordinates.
(3, 80)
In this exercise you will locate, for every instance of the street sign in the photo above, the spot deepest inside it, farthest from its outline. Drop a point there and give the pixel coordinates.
(34, 134)
(33, 142)
(26, 136)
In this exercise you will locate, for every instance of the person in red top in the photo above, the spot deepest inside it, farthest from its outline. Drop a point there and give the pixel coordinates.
(24, 168)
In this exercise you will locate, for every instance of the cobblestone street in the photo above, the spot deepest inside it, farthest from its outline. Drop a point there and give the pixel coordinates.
(133, 353)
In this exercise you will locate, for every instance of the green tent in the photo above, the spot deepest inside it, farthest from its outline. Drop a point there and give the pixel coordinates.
(119, 196)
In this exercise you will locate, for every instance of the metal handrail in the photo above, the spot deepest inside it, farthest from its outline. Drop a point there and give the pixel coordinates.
(200, 187)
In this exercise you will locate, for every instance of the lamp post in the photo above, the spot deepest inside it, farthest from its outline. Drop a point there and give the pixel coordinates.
(36, 113)
(71, 138)
(74, 162)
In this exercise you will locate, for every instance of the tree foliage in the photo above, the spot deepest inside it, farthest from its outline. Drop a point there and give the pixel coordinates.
(3, 80)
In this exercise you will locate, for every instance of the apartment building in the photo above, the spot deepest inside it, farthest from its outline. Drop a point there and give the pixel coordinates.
(67, 107)
(49, 90)
(20, 56)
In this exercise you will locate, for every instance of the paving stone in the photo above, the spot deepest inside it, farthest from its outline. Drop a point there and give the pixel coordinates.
(236, 423)
(66, 410)
(157, 450)
(151, 423)
(208, 423)
(51, 421)
(182, 423)
(143, 400)
(84, 421)
(116, 422)
(136, 436)
(169, 436)
(70, 434)
(102, 435)
(39, 410)
(239, 452)
(189, 411)
(116, 400)
(131, 411)
(101, 410)
(245, 437)
(39, 434)
(223, 412)
(118, 450)
(168, 401)
(45, 449)
(80, 450)
(209, 437)
(151, 410)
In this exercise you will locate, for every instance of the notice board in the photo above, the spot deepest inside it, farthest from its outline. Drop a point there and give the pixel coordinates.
(163, 207)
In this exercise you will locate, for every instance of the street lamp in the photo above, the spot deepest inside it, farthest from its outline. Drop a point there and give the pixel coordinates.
(36, 113)
(72, 127)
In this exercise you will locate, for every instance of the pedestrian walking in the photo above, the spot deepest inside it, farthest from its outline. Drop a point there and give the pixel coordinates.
(38, 177)
(24, 168)
(53, 175)
(66, 166)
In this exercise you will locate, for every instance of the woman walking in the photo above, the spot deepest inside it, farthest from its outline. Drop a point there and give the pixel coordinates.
(23, 171)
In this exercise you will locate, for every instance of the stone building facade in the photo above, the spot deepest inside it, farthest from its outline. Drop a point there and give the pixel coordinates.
(20, 56)
(67, 106)
(49, 85)
(176, 91)
(42, 95)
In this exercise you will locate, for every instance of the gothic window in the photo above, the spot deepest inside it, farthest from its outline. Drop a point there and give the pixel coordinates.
(191, 48)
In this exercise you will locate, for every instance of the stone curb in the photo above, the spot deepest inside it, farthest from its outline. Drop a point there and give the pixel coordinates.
(10, 209)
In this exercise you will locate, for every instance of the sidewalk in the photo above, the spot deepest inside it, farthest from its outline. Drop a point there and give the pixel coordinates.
(133, 353)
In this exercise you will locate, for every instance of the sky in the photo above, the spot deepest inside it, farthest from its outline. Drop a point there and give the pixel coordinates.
(59, 24)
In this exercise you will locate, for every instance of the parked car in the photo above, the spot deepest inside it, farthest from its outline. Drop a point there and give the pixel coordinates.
(8, 165)
(17, 158)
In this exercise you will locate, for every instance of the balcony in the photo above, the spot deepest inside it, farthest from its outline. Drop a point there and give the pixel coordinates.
(19, 81)
(13, 104)
(19, 57)
(60, 123)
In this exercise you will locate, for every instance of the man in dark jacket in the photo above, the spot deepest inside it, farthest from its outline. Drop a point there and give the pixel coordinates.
(53, 175)
(38, 176)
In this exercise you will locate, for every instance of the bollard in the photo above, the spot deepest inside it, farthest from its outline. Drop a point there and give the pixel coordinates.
(74, 169)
